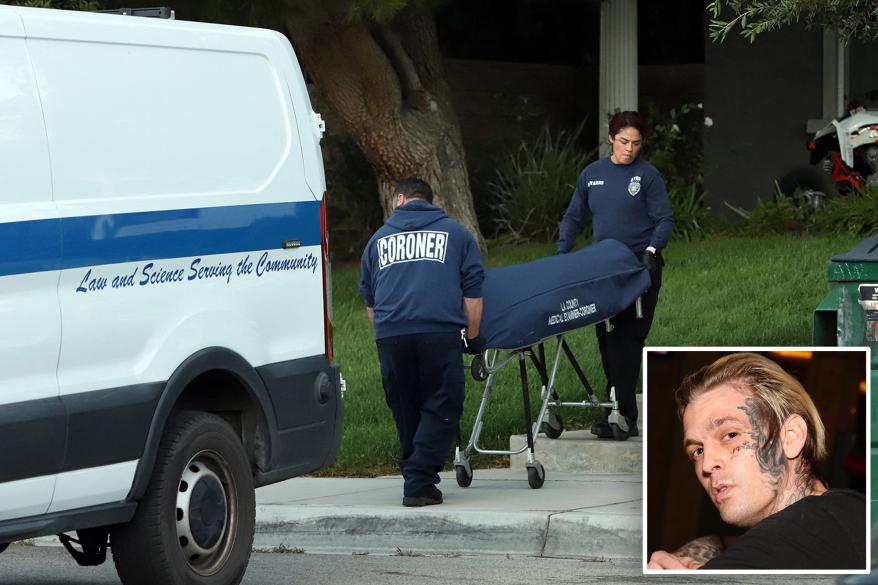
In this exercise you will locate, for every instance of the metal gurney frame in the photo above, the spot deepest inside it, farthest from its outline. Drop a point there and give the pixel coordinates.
(486, 366)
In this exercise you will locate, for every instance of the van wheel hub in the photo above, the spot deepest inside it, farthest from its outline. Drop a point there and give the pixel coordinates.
(204, 512)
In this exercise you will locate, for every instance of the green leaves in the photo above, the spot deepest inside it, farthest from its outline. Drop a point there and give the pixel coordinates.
(86, 5)
(691, 216)
(855, 214)
(851, 19)
(534, 185)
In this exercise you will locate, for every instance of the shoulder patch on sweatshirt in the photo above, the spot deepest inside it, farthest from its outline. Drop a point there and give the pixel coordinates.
(411, 247)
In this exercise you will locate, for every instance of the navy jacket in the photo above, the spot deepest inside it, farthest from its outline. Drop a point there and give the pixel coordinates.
(416, 270)
(628, 203)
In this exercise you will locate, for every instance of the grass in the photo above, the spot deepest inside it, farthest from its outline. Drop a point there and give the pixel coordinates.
(720, 291)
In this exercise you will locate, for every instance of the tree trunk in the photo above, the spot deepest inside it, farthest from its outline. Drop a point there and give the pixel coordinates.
(389, 90)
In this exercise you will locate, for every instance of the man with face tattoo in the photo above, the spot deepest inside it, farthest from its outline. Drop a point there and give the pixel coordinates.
(754, 438)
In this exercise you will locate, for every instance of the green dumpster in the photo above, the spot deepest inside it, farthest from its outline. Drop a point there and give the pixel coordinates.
(848, 316)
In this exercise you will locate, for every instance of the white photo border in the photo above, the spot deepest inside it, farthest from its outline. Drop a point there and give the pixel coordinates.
(645, 434)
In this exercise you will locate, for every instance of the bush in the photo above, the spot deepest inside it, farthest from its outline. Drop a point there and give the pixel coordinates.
(534, 186)
(675, 148)
(690, 215)
(676, 144)
(855, 214)
(781, 216)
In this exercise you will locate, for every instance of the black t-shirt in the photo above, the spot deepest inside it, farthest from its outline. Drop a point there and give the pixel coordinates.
(818, 532)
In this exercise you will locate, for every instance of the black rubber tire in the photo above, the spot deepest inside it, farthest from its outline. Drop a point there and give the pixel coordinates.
(3, 546)
(554, 426)
(148, 550)
(464, 479)
(808, 178)
(536, 476)
(618, 433)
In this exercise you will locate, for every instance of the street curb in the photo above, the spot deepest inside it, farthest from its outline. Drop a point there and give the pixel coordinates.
(608, 533)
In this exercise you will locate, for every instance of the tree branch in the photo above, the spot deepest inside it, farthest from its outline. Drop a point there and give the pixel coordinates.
(396, 54)
(417, 32)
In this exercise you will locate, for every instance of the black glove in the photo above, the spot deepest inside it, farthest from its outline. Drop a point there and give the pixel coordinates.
(651, 262)
(474, 345)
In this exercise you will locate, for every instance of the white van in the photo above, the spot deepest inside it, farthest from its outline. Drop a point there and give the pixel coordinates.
(165, 326)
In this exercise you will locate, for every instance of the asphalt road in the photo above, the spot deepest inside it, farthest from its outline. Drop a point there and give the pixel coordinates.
(38, 565)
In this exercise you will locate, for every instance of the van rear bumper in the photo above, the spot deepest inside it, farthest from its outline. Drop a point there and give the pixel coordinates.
(306, 395)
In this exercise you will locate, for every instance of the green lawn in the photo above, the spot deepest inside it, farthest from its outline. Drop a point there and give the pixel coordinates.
(723, 291)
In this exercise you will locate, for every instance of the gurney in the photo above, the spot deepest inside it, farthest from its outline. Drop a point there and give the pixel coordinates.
(526, 305)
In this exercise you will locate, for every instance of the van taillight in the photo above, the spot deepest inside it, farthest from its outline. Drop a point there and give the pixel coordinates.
(327, 279)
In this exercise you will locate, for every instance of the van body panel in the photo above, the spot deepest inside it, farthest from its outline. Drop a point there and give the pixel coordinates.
(90, 487)
(25, 497)
(24, 156)
(11, 25)
(196, 134)
(145, 315)
(33, 434)
(308, 130)
(162, 187)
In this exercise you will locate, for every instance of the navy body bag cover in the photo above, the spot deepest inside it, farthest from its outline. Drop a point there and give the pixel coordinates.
(527, 303)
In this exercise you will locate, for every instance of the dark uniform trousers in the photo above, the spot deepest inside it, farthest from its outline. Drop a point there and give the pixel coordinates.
(622, 348)
(424, 388)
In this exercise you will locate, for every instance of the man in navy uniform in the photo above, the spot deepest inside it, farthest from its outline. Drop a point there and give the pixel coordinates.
(421, 278)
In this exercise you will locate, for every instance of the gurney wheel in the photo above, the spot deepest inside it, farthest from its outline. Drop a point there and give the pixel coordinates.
(477, 368)
(536, 475)
(553, 426)
(618, 433)
(464, 476)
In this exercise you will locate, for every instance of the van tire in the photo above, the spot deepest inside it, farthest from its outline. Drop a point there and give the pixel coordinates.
(202, 468)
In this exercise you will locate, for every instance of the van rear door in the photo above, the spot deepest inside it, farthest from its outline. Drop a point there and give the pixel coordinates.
(32, 419)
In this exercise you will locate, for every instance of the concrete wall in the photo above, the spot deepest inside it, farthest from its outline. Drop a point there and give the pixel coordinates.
(759, 96)
(863, 70)
(500, 104)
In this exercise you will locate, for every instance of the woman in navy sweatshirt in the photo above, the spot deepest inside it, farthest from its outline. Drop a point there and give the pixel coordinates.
(626, 198)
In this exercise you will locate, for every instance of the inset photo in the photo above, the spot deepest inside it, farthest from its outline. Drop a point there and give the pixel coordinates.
(756, 460)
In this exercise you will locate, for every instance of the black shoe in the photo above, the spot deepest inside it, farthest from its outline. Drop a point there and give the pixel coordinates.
(632, 427)
(603, 430)
(429, 496)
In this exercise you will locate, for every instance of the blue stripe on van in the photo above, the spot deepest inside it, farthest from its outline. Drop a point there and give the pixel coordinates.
(36, 246)
(30, 246)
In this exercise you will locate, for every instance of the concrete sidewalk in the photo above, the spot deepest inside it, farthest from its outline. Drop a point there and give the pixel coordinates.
(574, 515)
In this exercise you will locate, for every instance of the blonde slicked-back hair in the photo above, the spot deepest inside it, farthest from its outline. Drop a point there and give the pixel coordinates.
(777, 394)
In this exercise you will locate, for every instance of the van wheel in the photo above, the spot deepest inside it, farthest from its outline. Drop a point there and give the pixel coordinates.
(195, 524)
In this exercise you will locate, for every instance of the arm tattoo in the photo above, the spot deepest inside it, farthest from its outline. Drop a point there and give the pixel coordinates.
(701, 549)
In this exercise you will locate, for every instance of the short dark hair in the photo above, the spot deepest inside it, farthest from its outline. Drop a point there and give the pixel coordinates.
(414, 187)
(627, 119)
